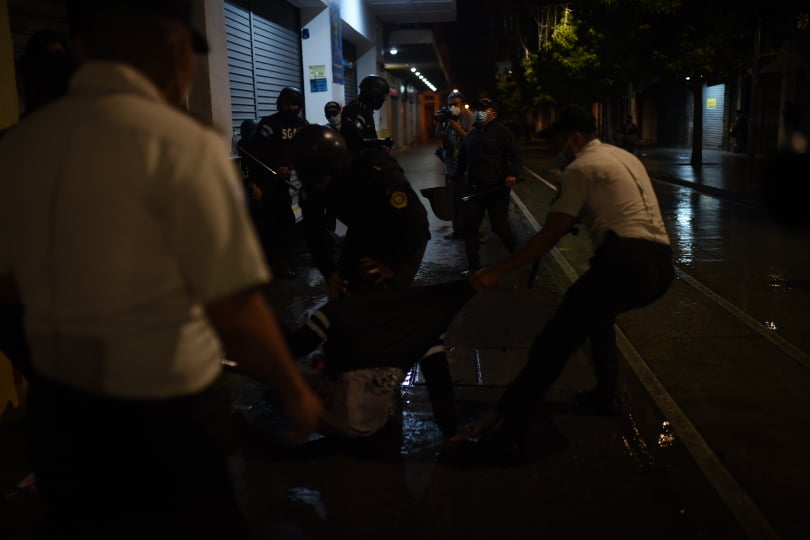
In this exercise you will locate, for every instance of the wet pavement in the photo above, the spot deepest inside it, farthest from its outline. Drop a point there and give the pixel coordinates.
(713, 440)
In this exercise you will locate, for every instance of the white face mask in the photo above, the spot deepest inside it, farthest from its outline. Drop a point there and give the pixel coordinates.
(334, 121)
(481, 118)
(456, 111)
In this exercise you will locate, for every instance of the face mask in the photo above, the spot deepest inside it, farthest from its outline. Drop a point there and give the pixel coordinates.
(481, 118)
(334, 121)
(289, 114)
(455, 111)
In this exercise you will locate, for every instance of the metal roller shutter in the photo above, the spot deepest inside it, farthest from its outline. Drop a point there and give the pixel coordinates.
(714, 115)
(263, 58)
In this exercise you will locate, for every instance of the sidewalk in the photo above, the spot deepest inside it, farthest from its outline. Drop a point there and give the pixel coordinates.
(614, 479)
(622, 477)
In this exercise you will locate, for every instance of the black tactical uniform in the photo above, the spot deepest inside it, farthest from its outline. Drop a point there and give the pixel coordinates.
(357, 123)
(274, 217)
(367, 190)
(358, 115)
(385, 221)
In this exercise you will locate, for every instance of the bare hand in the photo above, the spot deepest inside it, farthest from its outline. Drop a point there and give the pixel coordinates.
(304, 413)
(284, 172)
(337, 286)
(377, 270)
(483, 278)
(255, 192)
(510, 181)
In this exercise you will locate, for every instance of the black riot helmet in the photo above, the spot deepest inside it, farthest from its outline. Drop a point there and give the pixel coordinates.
(247, 128)
(319, 152)
(373, 91)
(290, 96)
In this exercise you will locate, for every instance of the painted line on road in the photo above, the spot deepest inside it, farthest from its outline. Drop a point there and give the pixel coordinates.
(781, 343)
(753, 522)
(551, 186)
(733, 495)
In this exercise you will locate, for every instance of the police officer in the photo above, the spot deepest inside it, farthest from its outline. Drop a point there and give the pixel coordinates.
(332, 113)
(489, 157)
(387, 226)
(609, 190)
(357, 121)
(271, 147)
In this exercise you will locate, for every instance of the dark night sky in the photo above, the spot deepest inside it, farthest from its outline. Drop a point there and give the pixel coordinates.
(469, 41)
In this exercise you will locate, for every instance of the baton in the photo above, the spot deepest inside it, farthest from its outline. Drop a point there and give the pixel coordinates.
(477, 194)
(260, 162)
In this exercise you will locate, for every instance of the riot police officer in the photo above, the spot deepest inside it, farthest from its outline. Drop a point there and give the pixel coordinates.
(271, 170)
(358, 115)
(387, 225)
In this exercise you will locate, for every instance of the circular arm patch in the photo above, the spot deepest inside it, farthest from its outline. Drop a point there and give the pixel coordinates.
(399, 200)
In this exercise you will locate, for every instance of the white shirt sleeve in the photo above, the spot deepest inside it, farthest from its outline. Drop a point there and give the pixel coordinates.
(573, 193)
(210, 230)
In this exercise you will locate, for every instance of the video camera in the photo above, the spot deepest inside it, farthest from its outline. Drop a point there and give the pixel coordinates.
(444, 115)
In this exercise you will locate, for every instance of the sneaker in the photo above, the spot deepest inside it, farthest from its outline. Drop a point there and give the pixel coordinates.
(597, 402)
(468, 272)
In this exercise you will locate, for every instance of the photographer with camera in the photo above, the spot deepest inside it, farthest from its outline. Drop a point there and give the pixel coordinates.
(455, 122)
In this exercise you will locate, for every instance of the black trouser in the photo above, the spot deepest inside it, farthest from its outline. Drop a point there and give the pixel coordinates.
(496, 205)
(110, 468)
(275, 225)
(625, 273)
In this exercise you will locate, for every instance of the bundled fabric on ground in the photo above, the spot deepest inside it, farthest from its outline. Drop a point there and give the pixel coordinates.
(369, 342)
(388, 329)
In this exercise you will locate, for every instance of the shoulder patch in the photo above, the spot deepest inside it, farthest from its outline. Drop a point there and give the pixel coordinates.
(267, 131)
(399, 200)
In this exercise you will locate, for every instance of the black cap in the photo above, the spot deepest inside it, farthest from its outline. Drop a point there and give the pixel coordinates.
(331, 108)
(485, 103)
(82, 14)
(570, 118)
(455, 94)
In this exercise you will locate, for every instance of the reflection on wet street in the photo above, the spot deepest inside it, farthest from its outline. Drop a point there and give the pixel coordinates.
(740, 254)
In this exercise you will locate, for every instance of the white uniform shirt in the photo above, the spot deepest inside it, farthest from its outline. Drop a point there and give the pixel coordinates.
(120, 217)
(607, 188)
